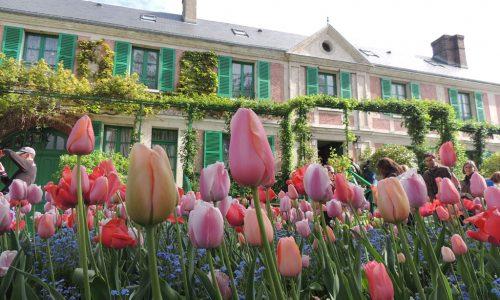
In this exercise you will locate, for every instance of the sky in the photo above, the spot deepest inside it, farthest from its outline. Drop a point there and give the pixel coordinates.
(396, 25)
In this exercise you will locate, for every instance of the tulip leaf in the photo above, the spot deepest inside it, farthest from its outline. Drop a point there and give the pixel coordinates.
(30, 293)
(167, 291)
(7, 279)
(315, 286)
(53, 292)
(249, 279)
(142, 291)
(206, 283)
(98, 288)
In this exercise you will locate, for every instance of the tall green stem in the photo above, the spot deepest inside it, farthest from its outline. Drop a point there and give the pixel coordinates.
(153, 269)
(229, 269)
(212, 272)
(181, 256)
(82, 230)
(50, 263)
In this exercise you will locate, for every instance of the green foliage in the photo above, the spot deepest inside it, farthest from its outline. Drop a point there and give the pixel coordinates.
(92, 160)
(340, 163)
(286, 144)
(198, 73)
(491, 165)
(188, 154)
(94, 52)
(461, 157)
(400, 154)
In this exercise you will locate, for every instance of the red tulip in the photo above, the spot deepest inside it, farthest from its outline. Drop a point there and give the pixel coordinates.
(392, 200)
(297, 179)
(236, 214)
(60, 193)
(343, 191)
(250, 157)
(447, 154)
(114, 234)
(379, 282)
(477, 185)
(84, 178)
(214, 182)
(448, 193)
(251, 228)
(206, 226)
(266, 194)
(415, 189)
(99, 191)
(492, 197)
(488, 223)
(317, 183)
(45, 226)
(448, 255)
(289, 257)
(224, 205)
(81, 140)
(458, 245)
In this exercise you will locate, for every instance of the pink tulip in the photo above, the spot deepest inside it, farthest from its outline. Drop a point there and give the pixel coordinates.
(5, 215)
(305, 206)
(251, 228)
(285, 204)
(477, 185)
(296, 215)
(281, 194)
(45, 226)
(343, 190)
(81, 140)
(289, 257)
(415, 189)
(401, 258)
(447, 254)
(250, 157)
(187, 202)
(122, 211)
(206, 226)
(447, 154)
(18, 190)
(305, 261)
(317, 183)
(309, 215)
(6, 259)
(379, 282)
(223, 284)
(458, 245)
(442, 213)
(278, 225)
(392, 200)
(358, 198)
(334, 209)
(448, 193)
(292, 192)
(303, 228)
(225, 205)
(214, 182)
(133, 233)
(492, 197)
(34, 194)
(25, 209)
(99, 191)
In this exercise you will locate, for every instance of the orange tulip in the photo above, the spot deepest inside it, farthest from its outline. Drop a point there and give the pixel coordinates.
(251, 228)
(379, 282)
(81, 140)
(45, 226)
(447, 154)
(151, 192)
(393, 203)
(289, 258)
(458, 245)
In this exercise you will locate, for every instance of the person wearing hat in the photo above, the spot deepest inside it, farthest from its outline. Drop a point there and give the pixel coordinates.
(24, 160)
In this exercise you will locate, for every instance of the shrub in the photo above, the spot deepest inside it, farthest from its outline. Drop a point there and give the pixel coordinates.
(491, 165)
(400, 154)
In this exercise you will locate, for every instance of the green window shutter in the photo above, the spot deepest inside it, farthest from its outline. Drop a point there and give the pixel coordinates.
(225, 70)
(345, 85)
(386, 88)
(122, 58)
(264, 80)
(98, 134)
(415, 90)
(212, 147)
(479, 106)
(12, 41)
(66, 48)
(453, 93)
(270, 139)
(312, 80)
(167, 69)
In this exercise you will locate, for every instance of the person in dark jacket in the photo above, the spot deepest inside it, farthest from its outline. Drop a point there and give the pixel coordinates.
(435, 170)
(24, 160)
(387, 167)
(468, 169)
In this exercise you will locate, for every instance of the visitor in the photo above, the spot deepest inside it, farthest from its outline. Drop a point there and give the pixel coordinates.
(495, 178)
(367, 172)
(24, 160)
(387, 167)
(468, 169)
(435, 170)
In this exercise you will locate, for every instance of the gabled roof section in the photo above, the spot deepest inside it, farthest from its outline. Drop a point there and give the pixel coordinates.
(340, 48)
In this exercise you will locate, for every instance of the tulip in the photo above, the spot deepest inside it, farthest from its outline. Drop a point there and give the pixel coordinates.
(447, 154)
(241, 238)
(292, 192)
(334, 209)
(317, 183)
(236, 214)
(5, 215)
(99, 191)
(309, 215)
(81, 140)
(187, 202)
(74, 183)
(358, 197)
(6, 259)
(151, 194)
(448, 193)
(206, 226)
(458, 245)
(401, 258)
(250, 157)
(223, 284)
(442, 213)
(477, 185)
(281, 194)
(122, 211)
(34, 194)
(115, 235)
(285, 204)
(305, 206)
(251, 228)
(296, 215)
(343, 190)
(214, 182)
(379, 282)
(415, 189)
(266, 194)
(25, 209)
(447, 254)
(45, 226)
(392, 200)
(303, 228)
(18, 190)
(134, 234)
(289, 258)
(305, 261)
(492, 197)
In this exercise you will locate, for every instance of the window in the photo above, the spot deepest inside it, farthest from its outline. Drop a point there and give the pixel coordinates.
(464, 102)
(145, 64)
(150, 18)
(398, 91)
(243, 80)
(327, 84)
(167, 139)
(239, 32)
(117, 139)
(38, 46)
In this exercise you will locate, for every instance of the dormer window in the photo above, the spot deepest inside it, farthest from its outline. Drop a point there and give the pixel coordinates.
(239, 32)
(368, 52)
(149, 18)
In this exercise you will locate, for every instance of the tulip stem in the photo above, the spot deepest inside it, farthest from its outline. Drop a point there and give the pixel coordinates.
(181, 256)
(267, 247)
(229, 269)
(81, 229)
(153, 269)
(50, 263)
(212, 272)
(409, 258)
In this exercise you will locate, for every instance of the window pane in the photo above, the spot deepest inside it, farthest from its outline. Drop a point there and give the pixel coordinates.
(60, 143)
(50, 142)
(138, 58)
(50, 50)
(248, 81)
(236, 80)
(33, 43)
(125, 141)
(152, 57)
(110, 137)
(465, 104)
(329, 80)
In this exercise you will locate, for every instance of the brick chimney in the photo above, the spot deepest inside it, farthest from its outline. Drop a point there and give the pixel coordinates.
(450, 49)
(189, 11)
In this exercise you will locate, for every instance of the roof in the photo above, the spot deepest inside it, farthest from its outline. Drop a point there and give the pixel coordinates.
(172, 24)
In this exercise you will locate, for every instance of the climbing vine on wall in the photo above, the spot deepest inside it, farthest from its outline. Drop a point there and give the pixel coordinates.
(286, 145)
(198, 73)
(95, 54)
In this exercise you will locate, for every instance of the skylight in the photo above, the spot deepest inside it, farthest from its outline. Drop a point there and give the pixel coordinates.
(149, 18)
(368, 52)
(433, 63)
(239, 32)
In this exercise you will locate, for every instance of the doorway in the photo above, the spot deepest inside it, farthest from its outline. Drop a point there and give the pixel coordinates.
(325, 148)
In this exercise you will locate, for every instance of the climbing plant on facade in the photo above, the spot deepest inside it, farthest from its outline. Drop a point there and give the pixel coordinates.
(94, 59)
(198, 73)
